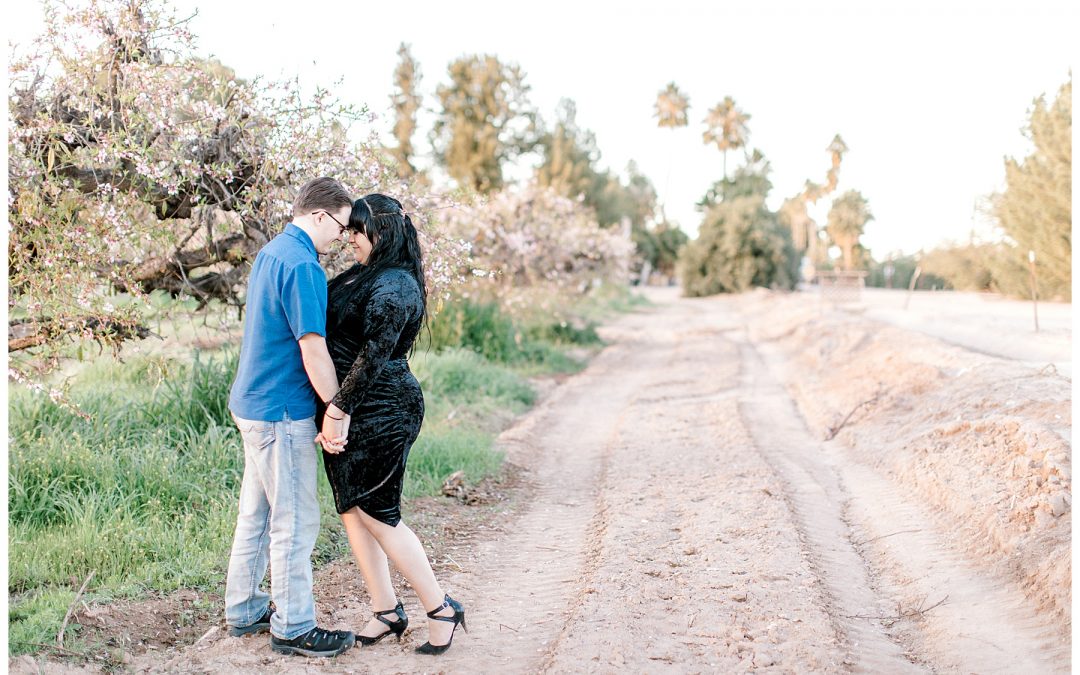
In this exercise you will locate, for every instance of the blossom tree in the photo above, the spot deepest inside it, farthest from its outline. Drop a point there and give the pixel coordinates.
(532, 239)
(138, 166)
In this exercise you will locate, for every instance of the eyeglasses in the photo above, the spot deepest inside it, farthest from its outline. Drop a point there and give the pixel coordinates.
(341, 228)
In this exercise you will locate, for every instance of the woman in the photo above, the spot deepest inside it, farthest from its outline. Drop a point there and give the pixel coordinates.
(375, 312)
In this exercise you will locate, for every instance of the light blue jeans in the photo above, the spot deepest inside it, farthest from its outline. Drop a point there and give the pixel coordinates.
(277, 524)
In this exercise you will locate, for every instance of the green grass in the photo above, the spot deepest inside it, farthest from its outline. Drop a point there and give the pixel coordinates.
(463, 376)
(135, 499)
(37, 617)
(435, 456)
(144, 492)
(478, 326)
(535, 341)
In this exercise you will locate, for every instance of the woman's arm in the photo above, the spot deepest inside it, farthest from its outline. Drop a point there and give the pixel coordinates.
(388, 310)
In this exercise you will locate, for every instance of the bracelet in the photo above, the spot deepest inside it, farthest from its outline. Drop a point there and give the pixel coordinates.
(327, 413)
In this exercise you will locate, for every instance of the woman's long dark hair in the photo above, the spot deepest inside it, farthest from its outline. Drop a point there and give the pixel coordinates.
(395, 244)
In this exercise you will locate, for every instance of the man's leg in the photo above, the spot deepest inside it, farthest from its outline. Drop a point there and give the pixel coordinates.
(289, 474)
(245, 602)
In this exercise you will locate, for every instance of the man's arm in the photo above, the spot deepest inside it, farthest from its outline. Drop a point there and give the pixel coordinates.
(319, 367)
(320, 370)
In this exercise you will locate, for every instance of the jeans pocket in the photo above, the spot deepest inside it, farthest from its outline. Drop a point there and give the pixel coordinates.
(257, 435)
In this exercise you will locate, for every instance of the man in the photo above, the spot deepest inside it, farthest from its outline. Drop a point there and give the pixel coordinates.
(284, 365)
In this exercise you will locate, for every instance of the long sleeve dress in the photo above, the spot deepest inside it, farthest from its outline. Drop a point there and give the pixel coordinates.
(370, 330)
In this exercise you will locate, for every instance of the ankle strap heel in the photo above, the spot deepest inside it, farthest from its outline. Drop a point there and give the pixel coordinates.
(396, 627)
(457, 618)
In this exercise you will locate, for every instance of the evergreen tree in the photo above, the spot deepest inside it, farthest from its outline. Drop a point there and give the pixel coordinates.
(1035, 210)
(485, 120)
(740, 244)
(660, 245)
(569, 155)
(569, 167)
(750, 179)
(614, 200)
(964, 267)
(406, 102)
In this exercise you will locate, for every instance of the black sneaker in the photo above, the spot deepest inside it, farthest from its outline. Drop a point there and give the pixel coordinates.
(315, 642)
(260, 626)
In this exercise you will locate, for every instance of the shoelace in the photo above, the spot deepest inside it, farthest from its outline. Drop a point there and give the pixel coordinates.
(319, 635)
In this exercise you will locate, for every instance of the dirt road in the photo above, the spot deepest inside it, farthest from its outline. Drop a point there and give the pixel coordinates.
(983, 322)
(681, 516)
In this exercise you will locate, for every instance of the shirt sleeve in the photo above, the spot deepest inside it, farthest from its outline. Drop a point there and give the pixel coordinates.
(303, 297)
(389, 309)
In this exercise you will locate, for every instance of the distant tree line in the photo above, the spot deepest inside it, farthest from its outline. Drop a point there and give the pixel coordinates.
(741, 243)
(1033, 215)
(485, 122)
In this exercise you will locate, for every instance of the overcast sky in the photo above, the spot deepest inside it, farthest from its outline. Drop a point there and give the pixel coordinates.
(929, 95)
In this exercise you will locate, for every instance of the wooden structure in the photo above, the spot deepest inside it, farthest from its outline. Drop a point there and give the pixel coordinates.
(840, 287)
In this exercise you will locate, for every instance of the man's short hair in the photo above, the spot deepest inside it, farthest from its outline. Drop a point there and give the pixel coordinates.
(322, 193)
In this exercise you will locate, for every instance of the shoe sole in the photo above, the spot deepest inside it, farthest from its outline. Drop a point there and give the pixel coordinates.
(286, 649)
(249, 630)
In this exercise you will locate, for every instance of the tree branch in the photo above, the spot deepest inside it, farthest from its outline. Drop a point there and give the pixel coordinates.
(27, 333)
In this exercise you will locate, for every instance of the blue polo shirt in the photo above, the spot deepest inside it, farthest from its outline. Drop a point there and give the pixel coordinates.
(286, 299)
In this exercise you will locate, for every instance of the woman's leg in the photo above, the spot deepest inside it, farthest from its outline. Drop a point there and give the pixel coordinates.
(403, 547)
(373, 567)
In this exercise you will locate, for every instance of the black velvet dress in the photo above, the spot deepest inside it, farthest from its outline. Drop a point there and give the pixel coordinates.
(370, 328)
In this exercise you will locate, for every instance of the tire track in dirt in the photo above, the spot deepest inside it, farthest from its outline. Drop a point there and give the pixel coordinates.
(881, 549)
(817, 496)
(986, 625)
(697, 567)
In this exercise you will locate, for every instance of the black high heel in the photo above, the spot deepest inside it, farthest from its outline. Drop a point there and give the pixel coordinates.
(459, 617)
(396, 627)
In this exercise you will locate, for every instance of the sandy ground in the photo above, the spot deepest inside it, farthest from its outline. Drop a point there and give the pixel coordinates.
(981, 322)
(682, 511)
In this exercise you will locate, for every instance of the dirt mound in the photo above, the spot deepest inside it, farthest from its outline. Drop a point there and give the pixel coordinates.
(982, 440)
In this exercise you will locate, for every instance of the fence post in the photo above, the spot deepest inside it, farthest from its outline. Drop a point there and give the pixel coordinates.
(1034, 288)
(911, 286)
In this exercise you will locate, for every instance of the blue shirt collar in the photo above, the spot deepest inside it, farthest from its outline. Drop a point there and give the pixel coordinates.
(294, 231)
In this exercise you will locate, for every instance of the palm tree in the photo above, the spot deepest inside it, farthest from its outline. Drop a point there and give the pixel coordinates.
(672, 112)
(848, 216)
(794, 209)
(837, 148)
(671, 107)
(793, 214)
(813, 191)
(725, 125)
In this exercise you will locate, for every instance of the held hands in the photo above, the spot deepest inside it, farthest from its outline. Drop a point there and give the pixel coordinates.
(335, 430)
